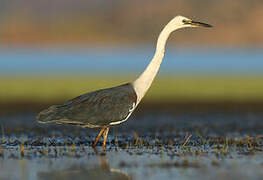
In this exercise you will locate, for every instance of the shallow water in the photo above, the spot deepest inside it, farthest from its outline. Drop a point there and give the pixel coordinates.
(127, 165)
(148, 146)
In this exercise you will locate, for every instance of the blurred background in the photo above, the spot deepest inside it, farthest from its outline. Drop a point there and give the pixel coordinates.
(52, 51)
(201, 117)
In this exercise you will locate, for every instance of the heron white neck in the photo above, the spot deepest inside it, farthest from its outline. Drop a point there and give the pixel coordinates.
(144, 81)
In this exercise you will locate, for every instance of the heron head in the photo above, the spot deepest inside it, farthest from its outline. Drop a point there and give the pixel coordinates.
(182, 22)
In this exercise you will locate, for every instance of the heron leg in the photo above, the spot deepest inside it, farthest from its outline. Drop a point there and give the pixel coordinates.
(105, 134)
(98, 137)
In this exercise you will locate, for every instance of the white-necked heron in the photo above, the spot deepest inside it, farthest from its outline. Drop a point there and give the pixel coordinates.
(111, 106)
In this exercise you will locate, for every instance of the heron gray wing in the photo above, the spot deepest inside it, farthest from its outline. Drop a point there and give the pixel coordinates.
(97, 108)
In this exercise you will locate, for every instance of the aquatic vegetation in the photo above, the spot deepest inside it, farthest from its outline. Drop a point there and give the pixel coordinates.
(166, 144)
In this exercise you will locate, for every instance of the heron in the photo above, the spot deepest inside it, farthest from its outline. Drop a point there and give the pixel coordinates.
(107, 107)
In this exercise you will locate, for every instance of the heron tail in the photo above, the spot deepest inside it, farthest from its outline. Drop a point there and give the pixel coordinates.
(47, 115)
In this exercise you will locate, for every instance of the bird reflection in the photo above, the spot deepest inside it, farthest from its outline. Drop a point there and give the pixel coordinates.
(103, 171)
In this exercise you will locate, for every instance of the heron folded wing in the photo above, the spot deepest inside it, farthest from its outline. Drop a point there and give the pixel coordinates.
(97, 108)
(104, 106)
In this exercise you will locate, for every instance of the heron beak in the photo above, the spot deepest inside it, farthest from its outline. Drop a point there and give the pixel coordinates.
(199, 24)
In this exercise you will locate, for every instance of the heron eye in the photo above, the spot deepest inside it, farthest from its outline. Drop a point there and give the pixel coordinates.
(186, 21)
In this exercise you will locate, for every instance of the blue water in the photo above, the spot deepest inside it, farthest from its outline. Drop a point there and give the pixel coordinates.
(130, 60)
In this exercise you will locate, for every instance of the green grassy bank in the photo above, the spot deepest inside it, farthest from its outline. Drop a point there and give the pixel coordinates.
(186, 89)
